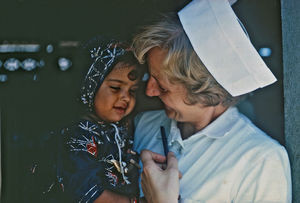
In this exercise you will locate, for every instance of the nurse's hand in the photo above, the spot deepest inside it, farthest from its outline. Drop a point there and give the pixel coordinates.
(160, 185)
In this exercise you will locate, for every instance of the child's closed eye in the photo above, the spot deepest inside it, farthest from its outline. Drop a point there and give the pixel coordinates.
(114, 88)
(133, 91)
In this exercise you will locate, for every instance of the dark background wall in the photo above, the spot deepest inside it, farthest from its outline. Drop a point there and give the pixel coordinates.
(33, 103)
(291, 63)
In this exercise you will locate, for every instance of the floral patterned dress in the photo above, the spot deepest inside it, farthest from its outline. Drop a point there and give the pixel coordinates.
(93, 156)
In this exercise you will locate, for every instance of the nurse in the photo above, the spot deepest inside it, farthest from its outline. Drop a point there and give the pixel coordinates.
(201, 63)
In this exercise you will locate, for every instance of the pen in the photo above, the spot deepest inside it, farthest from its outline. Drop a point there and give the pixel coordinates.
(165, 144)
(164, 140)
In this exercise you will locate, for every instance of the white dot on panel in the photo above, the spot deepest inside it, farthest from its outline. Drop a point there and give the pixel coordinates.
(145, 77)
(265, 52)
(3, 78)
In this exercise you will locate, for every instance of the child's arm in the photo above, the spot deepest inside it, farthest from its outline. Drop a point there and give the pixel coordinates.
(89, 173)
(108, 196)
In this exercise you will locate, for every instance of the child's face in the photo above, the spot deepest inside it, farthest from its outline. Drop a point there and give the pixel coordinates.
(115, 98)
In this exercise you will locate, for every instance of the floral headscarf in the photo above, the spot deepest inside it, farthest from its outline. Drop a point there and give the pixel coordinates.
(104, 58)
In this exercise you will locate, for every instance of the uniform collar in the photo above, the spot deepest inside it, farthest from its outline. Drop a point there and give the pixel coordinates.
(216, 130)
(222, 125)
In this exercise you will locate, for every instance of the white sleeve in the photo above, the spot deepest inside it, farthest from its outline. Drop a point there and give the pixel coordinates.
(267, 180)
(137, 118)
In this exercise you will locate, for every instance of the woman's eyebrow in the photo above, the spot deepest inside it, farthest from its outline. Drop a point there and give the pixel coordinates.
(155, 78)
(157, 81)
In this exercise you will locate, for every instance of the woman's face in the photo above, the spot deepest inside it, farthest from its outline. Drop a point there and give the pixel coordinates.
(115, 98)
(174, 95)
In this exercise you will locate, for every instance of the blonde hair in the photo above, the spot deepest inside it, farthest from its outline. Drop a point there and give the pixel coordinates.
(181, 65)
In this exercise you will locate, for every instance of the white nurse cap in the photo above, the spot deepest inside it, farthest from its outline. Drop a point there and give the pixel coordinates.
(222, 45)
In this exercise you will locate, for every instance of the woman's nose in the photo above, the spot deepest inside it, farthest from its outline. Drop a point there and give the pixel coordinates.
(152, 88)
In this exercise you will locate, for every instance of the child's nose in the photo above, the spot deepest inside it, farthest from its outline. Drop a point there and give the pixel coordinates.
(125, 96)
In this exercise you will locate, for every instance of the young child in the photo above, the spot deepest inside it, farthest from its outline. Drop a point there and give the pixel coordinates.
(95, 156)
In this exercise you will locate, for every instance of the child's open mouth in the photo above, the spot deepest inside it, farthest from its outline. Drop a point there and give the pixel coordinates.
(120, 110)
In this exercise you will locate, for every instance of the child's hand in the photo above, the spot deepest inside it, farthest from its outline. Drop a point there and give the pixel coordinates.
(125, 183)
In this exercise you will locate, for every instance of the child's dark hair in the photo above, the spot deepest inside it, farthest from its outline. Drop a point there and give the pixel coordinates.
(129, 60)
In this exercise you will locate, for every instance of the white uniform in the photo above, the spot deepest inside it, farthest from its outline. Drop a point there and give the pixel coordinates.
(230, 160)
